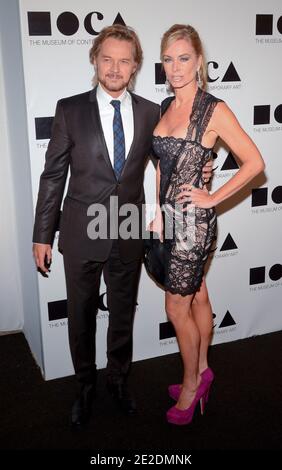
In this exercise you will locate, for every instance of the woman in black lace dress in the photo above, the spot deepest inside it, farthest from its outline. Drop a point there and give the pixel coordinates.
(191, 122)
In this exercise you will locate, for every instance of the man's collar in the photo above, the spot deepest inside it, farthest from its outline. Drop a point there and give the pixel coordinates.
(105, 98)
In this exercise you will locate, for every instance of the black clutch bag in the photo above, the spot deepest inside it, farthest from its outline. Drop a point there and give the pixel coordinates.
(155, 258)
(156, 254)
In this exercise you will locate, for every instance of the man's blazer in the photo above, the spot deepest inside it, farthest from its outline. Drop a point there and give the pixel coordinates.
(77, 143)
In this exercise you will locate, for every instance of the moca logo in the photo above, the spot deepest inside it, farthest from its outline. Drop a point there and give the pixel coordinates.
(263, 114)
(264, 25)
(230, 75)
(40, 23)
(260, 196)
(160, 77)
(258, 274)
(228, 248)
(57, 310)
(228, 164)
(228, 321)
(228, 244)
(101, 305)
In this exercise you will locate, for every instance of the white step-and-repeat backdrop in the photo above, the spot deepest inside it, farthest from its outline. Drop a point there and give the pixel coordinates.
(243, 42)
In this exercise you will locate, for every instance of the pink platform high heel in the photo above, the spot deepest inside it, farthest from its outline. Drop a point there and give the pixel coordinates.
(180, 417)
(207, 377)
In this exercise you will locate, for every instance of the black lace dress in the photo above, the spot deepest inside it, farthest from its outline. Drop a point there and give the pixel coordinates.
(188, 230)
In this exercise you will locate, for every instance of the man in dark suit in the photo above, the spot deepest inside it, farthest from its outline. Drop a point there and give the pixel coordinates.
(105, 144)
(83, 139)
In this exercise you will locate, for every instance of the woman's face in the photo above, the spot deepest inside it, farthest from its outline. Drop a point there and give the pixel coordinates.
(181, 63)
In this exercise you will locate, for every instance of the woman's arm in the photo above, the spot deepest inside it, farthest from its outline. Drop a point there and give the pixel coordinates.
(158, 179)
(227, 127)
(157, 223)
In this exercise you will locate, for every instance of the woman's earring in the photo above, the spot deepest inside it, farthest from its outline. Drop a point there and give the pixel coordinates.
(198, 78)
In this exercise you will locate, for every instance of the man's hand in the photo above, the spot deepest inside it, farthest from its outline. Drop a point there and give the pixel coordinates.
(207, 171)
(42, 253)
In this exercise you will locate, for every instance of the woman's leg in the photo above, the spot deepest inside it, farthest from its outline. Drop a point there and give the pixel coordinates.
(202, 315)
(178, 310)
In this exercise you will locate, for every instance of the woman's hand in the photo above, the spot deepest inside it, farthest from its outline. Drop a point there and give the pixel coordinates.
(156, 225)
(207, 171)
(195, 196)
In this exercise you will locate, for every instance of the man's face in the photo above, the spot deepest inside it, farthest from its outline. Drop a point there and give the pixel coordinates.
(115, 65)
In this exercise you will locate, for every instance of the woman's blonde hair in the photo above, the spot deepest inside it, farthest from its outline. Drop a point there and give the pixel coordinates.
(182, 31)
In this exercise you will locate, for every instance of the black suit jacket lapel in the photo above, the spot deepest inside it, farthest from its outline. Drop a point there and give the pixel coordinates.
(98, 129)
(137, 126)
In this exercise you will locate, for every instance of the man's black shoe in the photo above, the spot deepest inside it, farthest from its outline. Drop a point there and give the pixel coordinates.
(122, 397)
(82, 406)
